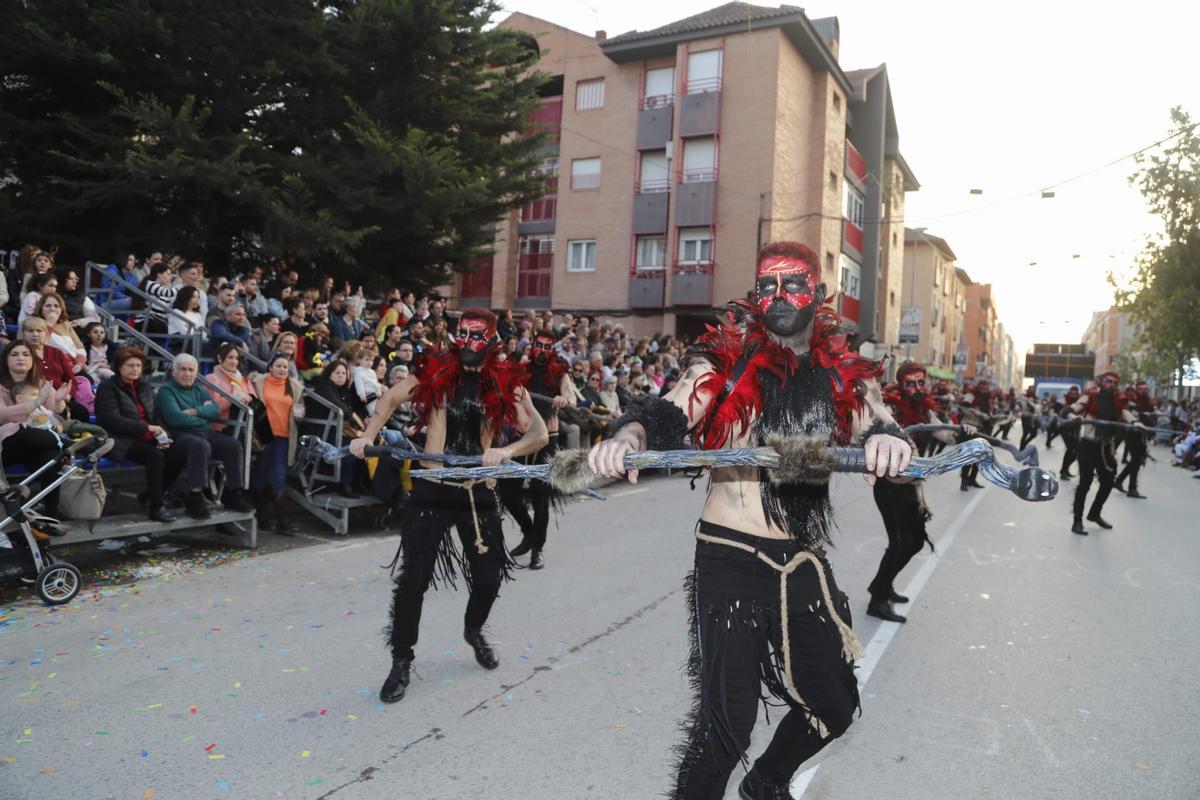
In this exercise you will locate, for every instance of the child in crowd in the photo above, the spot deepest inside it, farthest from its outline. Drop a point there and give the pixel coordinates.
(96, 339)
(43, 418)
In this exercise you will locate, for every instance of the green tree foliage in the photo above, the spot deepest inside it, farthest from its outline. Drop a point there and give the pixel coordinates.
(1164, 296)
(373, 138)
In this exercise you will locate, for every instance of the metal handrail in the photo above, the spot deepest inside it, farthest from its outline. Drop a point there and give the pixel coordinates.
(195, 335)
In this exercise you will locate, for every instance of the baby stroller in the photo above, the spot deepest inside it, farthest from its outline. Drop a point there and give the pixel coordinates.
(28, 532)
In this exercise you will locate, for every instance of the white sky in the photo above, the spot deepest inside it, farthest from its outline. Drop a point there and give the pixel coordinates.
(1008, 98)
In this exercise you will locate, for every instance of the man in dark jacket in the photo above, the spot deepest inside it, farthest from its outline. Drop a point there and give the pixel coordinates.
(187, 411)
(232, 328)
(125, 408)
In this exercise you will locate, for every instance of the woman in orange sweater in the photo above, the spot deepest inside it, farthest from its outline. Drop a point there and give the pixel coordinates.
(284, 399)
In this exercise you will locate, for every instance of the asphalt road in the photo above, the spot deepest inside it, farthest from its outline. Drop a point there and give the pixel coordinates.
(1035, 664)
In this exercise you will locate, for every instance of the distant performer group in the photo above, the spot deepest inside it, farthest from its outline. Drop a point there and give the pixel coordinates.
(765, 609)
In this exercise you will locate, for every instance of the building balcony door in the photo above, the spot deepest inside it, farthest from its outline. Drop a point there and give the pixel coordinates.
(535, 269)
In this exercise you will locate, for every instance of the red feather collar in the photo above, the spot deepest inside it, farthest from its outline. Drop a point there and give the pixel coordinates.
(438, 376)
(906, 411)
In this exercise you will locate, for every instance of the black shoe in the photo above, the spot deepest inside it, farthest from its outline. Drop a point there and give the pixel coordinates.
(883, 610)
(397, 680)
(976, 484)
(236, 500)
(521, 549)
(196, 506)
(1065, 475)
(1119, 487)
(1135, 494)
(160, 514)
(964, 488)
(347, 492)
(484, 653)
(1078, 527)
(896, 597)
(280, 525)
(753, 787)
(1099, 520)
(537, 560)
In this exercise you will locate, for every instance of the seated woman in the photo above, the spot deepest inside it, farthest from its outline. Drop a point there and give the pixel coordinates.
(333, 386)
(227, 377)
(19, 444)
(186, 319)
(285, 344)
(81, 311)
(43, 283)
(125, 408)
(53, 309)
(57, 367)
(283, 396)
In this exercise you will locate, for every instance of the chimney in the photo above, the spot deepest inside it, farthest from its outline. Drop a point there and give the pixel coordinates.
(601, 36)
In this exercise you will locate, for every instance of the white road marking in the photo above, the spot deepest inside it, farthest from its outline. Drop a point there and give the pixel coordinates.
(627, 492)
(887, 630)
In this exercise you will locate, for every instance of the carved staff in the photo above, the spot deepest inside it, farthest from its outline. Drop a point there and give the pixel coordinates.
(1028, 456)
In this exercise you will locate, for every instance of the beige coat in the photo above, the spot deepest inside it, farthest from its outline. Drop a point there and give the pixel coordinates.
(257, 379)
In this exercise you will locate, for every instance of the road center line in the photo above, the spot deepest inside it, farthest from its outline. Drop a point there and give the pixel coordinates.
(887, 630)
(627, 492)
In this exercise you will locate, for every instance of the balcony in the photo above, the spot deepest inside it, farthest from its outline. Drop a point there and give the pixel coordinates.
(852, 240)
(586, 181)
(650, 203)
(547, 118)
(700, 112)
(849, 307)
(696, 198)
(646, 288)
(475, 288)
(691, 284)
(538, 216)
(856, 165)
(534, 272)
(655, 122)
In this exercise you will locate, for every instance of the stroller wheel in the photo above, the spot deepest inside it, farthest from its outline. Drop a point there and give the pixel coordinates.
(58, 583)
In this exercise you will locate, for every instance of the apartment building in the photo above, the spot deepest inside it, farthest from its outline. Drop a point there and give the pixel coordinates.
(932, 305)
(1109, 333)
(676, 152)
(980, 333)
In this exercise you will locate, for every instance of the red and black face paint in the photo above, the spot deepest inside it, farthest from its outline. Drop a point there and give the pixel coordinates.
(787, 294)
(913, 385)
(474, 339)
(543, 349)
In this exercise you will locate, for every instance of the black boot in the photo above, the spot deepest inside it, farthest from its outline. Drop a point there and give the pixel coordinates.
(1120, 486)
(1099, 520)
(262, 506)
(536, 559)
(1065, 475)
(521, 549)
(281, 525)
(1135, 494)
(883, 610)
(1077, 527)
(484, 653)
(754, 787)
(397, 680)
(896, 597)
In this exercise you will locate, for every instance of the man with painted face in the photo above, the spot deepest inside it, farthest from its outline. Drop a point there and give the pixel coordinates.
(1096, 451)
(464, 398)
(1139, 401)
(902, 505)
(977, 406)
(550, 389)
(764, 605)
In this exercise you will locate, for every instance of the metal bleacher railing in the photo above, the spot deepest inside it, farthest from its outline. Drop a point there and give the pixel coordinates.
(102, 286)
(314, 478)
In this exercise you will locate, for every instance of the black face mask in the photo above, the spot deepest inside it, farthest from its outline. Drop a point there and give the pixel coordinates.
(918, 397)
(784, 319)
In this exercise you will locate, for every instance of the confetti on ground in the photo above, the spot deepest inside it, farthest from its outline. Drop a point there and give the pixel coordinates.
(305, 753)
(192, 709)
(223, 785)
(315, 782)
(50, 769)
(1138, 765)
(985, 596)
(210, 747)
(146, 795)
(216, 756)
(144, 753)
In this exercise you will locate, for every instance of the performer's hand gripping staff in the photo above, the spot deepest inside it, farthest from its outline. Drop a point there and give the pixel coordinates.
(792, 460)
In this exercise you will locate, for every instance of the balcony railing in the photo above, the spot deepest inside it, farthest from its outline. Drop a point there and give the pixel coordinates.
(701, 85)
(652, 186)
(547, 118)
(698, 175)
(541, 209)
(656, 101)
(585, 181)
(854, 235)
(701, 267)
(856, 165)
(477, 283)
(534, 271)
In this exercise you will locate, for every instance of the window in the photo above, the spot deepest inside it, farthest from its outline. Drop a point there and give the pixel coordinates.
(855, 203)
(833, 181)
(581, 255)
(651, 252)
(849, 277)
(704, 71)
(589, 94)
(660, 87)
(891, 298)
(700, 160)
(894, 240)
(837, 102)
(828, 263)
(653, 176)
(585, 173)
(695, 246)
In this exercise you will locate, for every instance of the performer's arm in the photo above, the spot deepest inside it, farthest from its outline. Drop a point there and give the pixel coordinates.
(392, 399)
(533, 434)
(566, 393)
(675, 409)
(949, 437)
(886, 452)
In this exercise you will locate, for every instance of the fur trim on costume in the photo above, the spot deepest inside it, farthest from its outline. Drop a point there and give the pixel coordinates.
(569, 472)
(802, 459)
(664, 422)
(887, 428)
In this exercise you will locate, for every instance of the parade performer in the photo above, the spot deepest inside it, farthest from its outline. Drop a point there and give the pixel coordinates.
(1096, 456)
(1070, 435)
(978, 402)
(764, 605)
(1029, 410)
(463, 397)
(902, 505)
(1140, 401)
(550, 387)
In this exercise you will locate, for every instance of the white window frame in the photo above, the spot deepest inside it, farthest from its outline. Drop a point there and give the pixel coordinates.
(651, 179)
(654, 96)
(581, 255)
(696, 168)
(589, 94)
(688, 236)
(639, 253)
(850, 278)
(853, 203)
(707, 82)
(581, 179)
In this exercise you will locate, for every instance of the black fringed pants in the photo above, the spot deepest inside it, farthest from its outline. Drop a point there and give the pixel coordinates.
(737, 648)
(1071, 441)
(512, 497)
(904, 517)
(428, 555)
(1135, 446)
